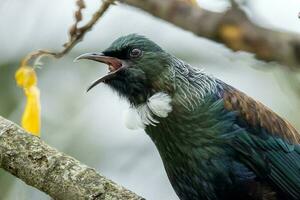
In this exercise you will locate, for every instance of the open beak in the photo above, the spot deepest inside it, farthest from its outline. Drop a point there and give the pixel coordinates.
(114, 65)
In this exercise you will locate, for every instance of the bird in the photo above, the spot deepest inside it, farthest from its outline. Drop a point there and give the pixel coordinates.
(215, 142)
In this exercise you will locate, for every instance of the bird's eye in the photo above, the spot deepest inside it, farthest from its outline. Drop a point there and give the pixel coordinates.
(135, 53)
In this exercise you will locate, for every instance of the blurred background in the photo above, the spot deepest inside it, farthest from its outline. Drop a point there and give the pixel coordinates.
(89, 126)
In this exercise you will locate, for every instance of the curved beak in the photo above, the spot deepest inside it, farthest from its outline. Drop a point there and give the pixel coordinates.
(114, 64)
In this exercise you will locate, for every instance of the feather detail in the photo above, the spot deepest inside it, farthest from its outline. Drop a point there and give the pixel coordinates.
(258, 115)
(192, 85)
(146, 115)
(158, 105)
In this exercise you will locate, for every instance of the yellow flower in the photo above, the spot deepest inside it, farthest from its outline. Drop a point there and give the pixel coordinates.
(31, 116)
(26, 78)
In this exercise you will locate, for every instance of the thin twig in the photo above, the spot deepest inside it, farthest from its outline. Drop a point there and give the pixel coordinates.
(76, 34)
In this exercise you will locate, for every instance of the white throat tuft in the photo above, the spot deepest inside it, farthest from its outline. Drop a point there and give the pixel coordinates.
(158, 105)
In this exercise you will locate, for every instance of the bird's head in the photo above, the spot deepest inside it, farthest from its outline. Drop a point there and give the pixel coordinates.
(135, 65)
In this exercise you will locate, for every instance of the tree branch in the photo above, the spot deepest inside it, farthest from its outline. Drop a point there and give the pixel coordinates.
(232, 28)
(59, 175)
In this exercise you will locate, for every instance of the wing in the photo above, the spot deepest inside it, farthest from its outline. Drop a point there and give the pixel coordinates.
(257, 116)
(268, 144)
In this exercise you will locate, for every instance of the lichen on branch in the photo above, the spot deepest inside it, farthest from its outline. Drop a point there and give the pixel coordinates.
(57, 174)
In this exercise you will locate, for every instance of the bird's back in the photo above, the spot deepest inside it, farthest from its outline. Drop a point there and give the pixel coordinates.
(274, 139)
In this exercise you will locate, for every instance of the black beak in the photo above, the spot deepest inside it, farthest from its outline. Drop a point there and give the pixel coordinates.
(114, 64)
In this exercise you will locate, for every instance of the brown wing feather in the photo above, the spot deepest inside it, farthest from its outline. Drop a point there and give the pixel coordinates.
(257, 114)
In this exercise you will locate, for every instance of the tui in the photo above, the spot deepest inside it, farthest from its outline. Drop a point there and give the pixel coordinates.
(216, 142)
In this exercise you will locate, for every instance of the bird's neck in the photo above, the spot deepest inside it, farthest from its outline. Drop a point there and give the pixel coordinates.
(196, 101)
(187, 128)
(196, 104)
(188, 86)
(179, 88)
